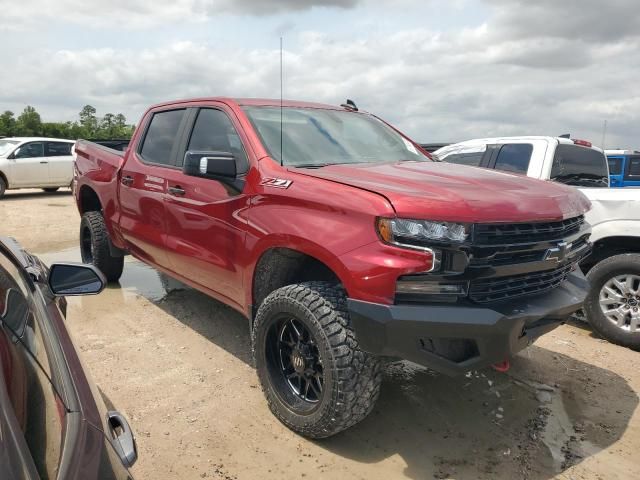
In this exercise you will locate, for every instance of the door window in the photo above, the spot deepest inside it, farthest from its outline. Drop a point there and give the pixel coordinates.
(514, 157)
(214, 132)
(161, 136)
(634, 167)
(58, 149)
(37, 407)
(615, 165)
(468, 158)
(30, 150)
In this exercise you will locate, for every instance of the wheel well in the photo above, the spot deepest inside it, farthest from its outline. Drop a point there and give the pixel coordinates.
(278, 267)
(89, 201)
(609, 246)
(4, 177)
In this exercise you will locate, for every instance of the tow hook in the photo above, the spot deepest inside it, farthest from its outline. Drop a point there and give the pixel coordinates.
(502, 366)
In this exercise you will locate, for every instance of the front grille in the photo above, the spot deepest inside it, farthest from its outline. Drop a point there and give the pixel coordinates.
(514, 233)
(502, 288)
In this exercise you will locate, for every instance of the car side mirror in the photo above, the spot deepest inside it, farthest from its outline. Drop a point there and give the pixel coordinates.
(69, 279)
(214, 165)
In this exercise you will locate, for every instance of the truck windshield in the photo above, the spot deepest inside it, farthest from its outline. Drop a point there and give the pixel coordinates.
(580, 166)
(316, 138)
(6, 146)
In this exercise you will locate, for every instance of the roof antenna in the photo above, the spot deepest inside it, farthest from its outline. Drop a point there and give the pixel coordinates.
(349, 105)
(281, 101)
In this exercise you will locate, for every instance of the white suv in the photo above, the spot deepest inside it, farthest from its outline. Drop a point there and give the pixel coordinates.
(613, 303)
(31, 162)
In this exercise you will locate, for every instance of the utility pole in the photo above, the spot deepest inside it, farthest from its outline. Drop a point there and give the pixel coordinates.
(604, 134)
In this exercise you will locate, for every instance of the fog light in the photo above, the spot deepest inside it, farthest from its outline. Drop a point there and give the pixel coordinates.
(430, 288)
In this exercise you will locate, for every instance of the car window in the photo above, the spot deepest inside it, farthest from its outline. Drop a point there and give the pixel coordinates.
(615, 165)
(37, 407)
(214, 132)
(469, 158)
(634, 167)
(30, 150)
(514, 157)
(580, 166)
(161, 136)
(7, 145)
(58, 149)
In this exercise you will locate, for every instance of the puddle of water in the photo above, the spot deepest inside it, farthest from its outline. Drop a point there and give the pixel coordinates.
(137, 278)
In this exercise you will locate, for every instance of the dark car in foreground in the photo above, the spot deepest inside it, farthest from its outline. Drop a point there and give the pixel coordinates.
(53, 421)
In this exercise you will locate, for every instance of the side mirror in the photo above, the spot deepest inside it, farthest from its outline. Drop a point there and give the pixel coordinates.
(68, 279)
(215, 165)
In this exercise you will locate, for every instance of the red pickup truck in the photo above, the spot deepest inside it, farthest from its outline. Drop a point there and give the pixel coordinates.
(339, 239)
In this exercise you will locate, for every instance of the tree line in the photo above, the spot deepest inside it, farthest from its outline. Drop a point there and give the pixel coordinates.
(88, 125)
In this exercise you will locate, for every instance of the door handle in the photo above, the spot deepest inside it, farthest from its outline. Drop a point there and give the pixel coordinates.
(122, 438)
(128, 181)
(178, 191)
(43, 162)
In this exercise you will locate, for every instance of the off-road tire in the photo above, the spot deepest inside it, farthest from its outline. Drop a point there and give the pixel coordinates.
(94, 246)
(599, 275)
(3, 187)
(352, 377)
(51, 189)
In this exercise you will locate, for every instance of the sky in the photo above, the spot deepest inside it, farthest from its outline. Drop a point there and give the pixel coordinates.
(440, 71)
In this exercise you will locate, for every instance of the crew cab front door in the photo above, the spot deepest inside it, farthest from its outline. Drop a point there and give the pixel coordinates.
(206, 218)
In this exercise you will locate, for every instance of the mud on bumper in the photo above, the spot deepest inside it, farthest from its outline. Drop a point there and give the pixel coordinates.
(454, 339)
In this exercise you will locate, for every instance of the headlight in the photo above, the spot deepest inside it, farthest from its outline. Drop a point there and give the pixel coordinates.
(418, 233)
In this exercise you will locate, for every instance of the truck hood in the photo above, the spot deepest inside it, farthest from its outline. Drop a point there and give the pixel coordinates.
(457, 193)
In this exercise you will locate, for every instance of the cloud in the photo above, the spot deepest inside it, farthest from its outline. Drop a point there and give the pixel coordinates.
(28, 14)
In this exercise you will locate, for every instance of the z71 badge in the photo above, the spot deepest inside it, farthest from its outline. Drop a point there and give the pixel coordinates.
(276, 182)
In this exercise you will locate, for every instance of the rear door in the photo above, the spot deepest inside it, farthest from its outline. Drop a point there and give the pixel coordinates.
(632, 171)
(143, 184)
(29, 167)
(205, 220)
(58, 154)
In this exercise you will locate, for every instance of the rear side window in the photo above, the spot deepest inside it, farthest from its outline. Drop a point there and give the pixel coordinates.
(214, 132)
(161, 137)
(580, 166)
(58, 149)
(514, 157)
(615, 165)
(470, 158)
(634, 167)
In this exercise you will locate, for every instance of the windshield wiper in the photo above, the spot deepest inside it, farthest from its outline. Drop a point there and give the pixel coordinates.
(312, 165)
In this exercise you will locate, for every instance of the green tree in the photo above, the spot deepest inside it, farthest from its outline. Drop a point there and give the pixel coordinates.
(29, 123)
(89, 121)
(7, 124)
(107, 126)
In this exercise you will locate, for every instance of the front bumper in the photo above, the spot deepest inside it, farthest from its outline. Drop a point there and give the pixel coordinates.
(454, 339)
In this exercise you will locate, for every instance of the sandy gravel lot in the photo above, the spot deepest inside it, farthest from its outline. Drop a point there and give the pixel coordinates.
(178, 365)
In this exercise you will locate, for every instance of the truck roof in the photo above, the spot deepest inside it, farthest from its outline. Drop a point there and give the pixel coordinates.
(263, 102)
(621, 152)
(38, 139)
(568, 141)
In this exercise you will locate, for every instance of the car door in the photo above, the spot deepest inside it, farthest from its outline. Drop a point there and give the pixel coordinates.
(143, 184)
(29, 167)
(205, 217)
(632, 172)
(58, 154)
(38, 411)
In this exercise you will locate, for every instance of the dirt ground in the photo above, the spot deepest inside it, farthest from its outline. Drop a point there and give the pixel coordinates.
(177, 364)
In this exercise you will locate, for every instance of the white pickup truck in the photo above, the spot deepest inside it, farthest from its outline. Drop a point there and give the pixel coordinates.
(32, 162)
(613, 304)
